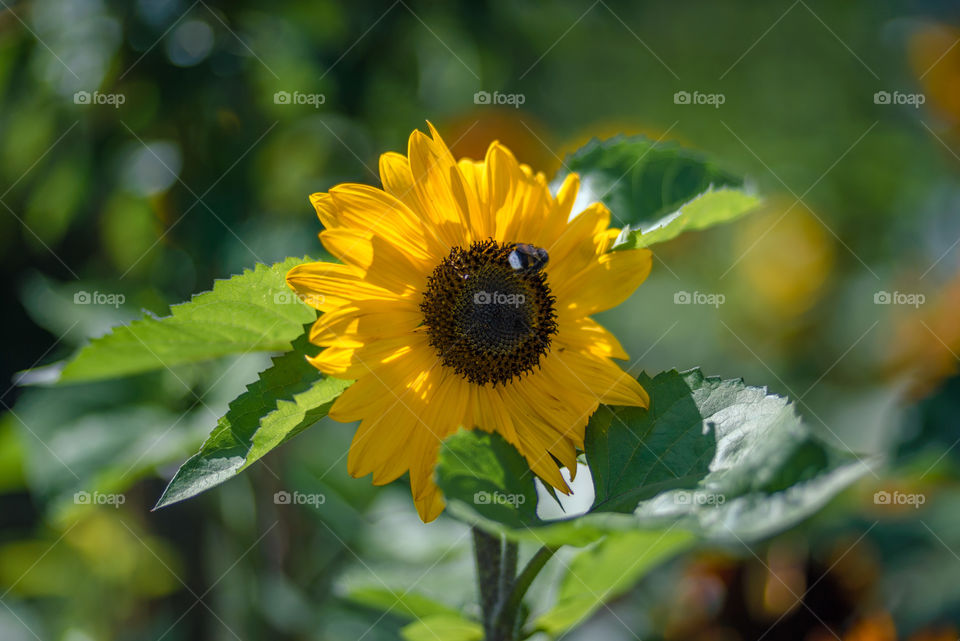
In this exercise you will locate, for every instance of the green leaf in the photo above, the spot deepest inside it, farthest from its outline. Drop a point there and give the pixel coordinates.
(487, 482)
(606, 570)
(249, 312)
(706, 210)
(443, 627)
(768, 470)
(485, 470)
(640, 180)
(411, 605)
(288, 397)
(656, 191)
(720, 459)
(12, 455)
(635, 454)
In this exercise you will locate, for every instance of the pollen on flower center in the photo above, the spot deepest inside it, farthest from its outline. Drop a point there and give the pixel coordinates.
(488, 319)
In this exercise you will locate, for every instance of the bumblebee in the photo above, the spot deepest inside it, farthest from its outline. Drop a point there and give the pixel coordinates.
(527, 258)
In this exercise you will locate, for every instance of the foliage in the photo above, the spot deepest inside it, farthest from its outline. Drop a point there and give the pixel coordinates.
(719, 459)
(709, 460)
(254, 311)
(286, 399)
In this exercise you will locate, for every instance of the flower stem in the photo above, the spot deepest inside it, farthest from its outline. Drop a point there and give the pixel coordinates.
(488, 554)
(508, 569)
(505, 621)
(501, 589)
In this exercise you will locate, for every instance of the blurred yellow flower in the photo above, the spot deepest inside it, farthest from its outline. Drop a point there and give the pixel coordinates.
(936, 62)
(787, 257)
(463, 300)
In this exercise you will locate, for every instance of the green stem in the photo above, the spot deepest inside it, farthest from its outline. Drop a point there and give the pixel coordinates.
(508, 568)
(505, 620)
(487, 551)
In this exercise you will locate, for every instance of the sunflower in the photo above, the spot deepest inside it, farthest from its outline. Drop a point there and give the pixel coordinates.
(463, 300)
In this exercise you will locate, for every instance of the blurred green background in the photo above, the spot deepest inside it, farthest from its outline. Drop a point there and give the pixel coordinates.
(145, 151)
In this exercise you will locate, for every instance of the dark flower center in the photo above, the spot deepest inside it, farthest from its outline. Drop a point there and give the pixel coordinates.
(489, 312)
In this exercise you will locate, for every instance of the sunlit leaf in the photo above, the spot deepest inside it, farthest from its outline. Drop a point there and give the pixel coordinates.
(706, 210)
(765, 472)
(412, 605)
(254, 311)
(287, 398)
(656, 191)
(606, 570)
(443, 627)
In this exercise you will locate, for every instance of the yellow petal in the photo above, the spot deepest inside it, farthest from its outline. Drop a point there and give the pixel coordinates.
(395, 378)
(350, 362)
(610, 384)
(490, 413)
(550, 434)
(567, 195)
(575, 246)
(364, 322)
(472, 172)
(604, 282)
(433, 167)
(366, 208)
(397, 180)
(378, 445)
(430, 504)
(442, 413)
(382, 263)
(327, 286)
(526, 216)
(588, 336)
